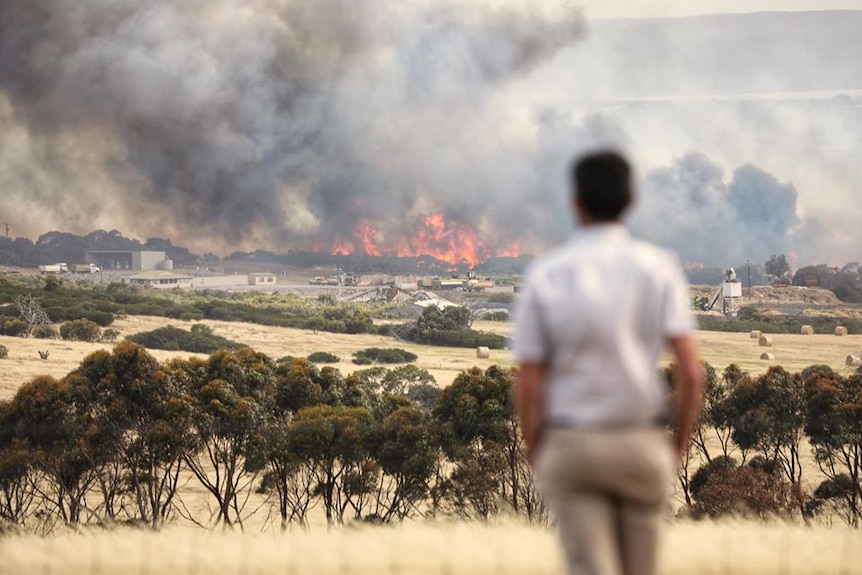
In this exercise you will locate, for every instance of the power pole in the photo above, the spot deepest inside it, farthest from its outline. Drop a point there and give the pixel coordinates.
(7, 231)
(748, 265)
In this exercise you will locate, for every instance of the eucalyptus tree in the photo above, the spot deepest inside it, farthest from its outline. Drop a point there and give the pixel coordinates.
(233, 394)
(833, 423)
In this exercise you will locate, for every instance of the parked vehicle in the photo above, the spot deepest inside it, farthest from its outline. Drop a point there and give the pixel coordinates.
(60, 268)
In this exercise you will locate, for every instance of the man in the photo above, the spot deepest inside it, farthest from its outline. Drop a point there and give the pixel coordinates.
(593, 318)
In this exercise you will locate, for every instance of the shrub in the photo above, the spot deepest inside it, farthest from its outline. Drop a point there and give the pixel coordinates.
(452, 337)
(323, 357)
(704, 472)
(4, 352)
(744, 490)
(504, 297)
(384, 355)
(496, 316)
(110, 335)
(315, 323)
(80, 330)
(14, 326)
(45, 331)
(198, 340)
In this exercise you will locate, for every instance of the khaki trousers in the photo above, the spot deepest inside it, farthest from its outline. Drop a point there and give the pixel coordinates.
(608, 489)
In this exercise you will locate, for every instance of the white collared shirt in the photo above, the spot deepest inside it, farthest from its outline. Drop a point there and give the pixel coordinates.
(598, 312)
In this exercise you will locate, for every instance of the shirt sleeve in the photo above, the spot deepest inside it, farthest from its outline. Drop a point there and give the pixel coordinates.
(531, 336)
(678, 318)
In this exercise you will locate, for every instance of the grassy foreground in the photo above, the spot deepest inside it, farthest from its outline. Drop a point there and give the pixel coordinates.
(728, 548)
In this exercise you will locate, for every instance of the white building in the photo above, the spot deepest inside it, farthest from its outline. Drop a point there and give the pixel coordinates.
(160, 279)
(261, 279)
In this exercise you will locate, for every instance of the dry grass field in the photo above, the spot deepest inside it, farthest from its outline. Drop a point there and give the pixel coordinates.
(734, 548)
(444, 548)
(792, 351)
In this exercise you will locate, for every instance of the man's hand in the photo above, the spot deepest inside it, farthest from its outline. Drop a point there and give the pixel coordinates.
(687, 393)
(529, 403)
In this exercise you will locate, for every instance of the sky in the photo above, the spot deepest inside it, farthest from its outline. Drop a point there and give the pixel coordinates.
(677, 8)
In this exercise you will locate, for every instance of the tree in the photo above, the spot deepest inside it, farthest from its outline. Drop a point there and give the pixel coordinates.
(335, 441)
(480, 434)
(287, 474)
(815, 275)
(31, 312)
(768, 415)
(140, 429)
(407, 449)
(17, 484)
(405, 377)
(450, 318)
(777, 267)
(833, 423)
(233, 394)
(45, 420)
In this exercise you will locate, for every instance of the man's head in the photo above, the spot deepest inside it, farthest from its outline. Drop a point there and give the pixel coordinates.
(601, 186)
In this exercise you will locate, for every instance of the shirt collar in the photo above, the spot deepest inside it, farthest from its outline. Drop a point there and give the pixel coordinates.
(609, 231)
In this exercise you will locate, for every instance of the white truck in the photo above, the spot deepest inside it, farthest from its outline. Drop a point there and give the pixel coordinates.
(60, 268)
(85, 269)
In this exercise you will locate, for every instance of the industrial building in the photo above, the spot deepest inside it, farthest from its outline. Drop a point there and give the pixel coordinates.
(128, 260)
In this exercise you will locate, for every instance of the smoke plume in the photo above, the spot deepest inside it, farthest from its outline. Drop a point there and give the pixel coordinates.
(706, 216)
(264, 123)
(344, 124)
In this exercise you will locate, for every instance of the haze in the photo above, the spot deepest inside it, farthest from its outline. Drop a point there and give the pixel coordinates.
(280, 125)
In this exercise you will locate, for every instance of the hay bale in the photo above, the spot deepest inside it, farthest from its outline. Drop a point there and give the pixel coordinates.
(840, 331)
(767, 355)
(755, 334)
(483, 352)
(765, 341)
(807, 330)
(853, 361)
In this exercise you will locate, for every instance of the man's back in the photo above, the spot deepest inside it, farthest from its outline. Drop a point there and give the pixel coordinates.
(606, 304)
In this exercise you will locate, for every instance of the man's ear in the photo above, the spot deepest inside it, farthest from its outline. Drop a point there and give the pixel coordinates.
(579, 211)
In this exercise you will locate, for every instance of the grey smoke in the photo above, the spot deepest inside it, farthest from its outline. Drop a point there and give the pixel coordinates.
(282, 124)
(710, 217)
(258, 123)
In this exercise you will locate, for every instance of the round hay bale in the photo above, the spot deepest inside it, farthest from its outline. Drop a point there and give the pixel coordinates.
(853, 361)
(767, 355)
(840, 331)
(483, 352)
(755, 334)
(765, 341)
(807, 330)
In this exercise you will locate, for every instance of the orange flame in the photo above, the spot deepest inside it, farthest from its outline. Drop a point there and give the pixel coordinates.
(341, 248)
(368, 237)
(513, 250)
(431, 235)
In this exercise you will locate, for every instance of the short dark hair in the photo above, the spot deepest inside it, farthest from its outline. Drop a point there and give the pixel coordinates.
(602, 182)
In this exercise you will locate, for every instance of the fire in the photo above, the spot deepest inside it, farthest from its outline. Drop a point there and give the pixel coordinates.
(446, 240)
(432, 235)
(513, 250)
(368, 236)
(341, 248)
